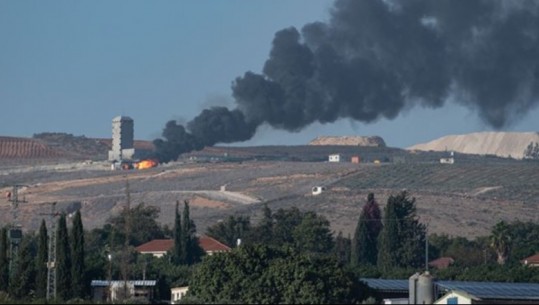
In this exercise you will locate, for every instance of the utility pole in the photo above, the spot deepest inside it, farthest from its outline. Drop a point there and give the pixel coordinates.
(15, 232)
(51, 260)
(427, 220)
(127, 234)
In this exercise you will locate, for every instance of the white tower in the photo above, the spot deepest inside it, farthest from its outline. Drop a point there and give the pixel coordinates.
(122, 139)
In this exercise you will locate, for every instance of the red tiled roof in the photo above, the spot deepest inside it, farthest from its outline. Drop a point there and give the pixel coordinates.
(534, 259)
(162, 245)
(156, 245)
(209, 244)
(442, 262)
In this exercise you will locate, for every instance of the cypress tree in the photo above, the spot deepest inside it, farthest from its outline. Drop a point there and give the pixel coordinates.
(359, 254)
(342, 248)
(192, 252)
(402, 239)
(4, 262)
(265, 228)
(389, 237)
(177, 254)
(63, 261)
(24, 275)
(77, 250)
(365, 242)
(41, 261)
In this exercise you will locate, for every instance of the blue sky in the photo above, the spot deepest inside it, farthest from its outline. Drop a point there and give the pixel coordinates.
(71, 66)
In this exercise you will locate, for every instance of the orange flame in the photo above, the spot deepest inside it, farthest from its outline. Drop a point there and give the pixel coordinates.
(144, 164)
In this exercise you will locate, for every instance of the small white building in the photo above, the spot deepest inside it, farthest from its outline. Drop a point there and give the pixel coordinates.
(177, 293)
(457, 297)
(447, 160)
(335, 158)
(317, 190)
(111, 291)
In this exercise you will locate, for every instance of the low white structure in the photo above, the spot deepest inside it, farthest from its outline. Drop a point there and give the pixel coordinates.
(457, 297)
(447, 160)
(317, 190)
(105, 291)
(335, 158)
(177, 293)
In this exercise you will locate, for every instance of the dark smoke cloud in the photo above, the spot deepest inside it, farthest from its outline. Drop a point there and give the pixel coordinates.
(374, 58)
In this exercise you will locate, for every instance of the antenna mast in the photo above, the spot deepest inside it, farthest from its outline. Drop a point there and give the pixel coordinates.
(125, 260)
(15, 232)
(51, 259)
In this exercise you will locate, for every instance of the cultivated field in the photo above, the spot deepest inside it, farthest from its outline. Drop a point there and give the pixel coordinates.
(466, 198)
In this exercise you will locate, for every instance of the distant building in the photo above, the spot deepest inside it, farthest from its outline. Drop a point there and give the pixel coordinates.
(159, 247)
(355, 159)
(447, 160)
(531, 261)
(335, 158)
(177, 293)
(122, 139)
(105, 291)
(442, 262)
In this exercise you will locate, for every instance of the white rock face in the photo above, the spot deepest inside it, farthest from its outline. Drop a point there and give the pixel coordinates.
(503, 144)
(375, 141)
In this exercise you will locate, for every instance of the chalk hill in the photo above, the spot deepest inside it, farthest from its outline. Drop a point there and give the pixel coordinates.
(503, 144)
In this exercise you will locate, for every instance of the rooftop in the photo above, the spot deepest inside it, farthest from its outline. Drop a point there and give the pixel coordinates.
(207, 243)
(534, 259)
(481, 290)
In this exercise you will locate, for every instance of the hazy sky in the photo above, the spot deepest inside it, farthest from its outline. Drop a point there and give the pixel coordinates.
(71, 66)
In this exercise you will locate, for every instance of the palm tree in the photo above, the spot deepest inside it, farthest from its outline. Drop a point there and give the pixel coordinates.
(500, 241)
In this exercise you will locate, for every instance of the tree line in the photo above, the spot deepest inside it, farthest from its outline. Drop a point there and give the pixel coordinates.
(287, 256)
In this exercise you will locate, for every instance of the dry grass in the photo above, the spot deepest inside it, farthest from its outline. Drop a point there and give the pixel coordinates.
(464, 199)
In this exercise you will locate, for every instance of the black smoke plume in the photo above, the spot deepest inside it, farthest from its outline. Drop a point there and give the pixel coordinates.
(374, 58)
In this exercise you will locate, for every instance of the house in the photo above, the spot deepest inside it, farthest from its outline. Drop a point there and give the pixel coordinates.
(335, 158)
(355, 159)
(532, 261)
(442, 262)
(103, 291)
(177, 293)
(159, 247)
(450, 160)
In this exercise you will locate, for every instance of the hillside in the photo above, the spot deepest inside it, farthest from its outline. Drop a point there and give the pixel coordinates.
(59, 147)
(24, 148)
(463, 199)
(503, 144)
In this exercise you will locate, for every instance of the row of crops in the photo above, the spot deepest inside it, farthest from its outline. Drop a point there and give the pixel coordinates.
(514, 180)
